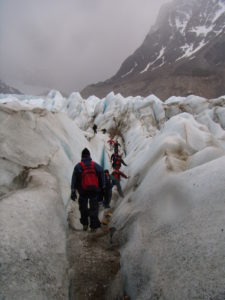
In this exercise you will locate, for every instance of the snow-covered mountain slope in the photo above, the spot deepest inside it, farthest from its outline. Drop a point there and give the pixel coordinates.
(170, 225)
(183, 53)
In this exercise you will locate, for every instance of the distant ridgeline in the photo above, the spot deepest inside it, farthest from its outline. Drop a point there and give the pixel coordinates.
(182, 54)
(5, 89)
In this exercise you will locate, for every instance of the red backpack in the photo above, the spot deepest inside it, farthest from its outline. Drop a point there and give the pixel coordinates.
(89, 178)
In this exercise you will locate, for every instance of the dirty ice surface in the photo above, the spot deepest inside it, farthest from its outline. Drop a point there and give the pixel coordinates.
(170, 225)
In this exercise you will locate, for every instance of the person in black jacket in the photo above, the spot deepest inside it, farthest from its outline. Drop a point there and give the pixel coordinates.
(95, 128)
(88, 180)
(117, 161)
(116, 146)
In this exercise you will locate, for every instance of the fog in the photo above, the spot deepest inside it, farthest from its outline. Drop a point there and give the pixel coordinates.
(71, 43)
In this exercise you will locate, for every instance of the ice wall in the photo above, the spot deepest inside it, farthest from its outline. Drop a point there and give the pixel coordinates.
(170, 225)
(38, 150)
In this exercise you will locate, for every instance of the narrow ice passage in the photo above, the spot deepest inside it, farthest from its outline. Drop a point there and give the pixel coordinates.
(87, 279)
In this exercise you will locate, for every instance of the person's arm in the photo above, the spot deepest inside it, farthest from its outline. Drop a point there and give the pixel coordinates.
(75, 183)
(123, 175)
(74, 180)
(123, 162)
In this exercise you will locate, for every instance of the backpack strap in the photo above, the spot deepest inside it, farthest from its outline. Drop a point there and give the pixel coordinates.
(84, 166)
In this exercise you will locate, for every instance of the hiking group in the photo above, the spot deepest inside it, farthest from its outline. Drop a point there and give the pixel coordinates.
(117, 162)
(94, 185)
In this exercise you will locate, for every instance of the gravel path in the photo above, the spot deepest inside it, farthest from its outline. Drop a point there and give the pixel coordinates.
(94, 263)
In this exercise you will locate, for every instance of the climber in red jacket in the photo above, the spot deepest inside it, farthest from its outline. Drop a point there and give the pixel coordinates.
(116, 176)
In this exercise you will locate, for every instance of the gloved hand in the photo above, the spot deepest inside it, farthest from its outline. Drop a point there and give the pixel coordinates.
(73, 195)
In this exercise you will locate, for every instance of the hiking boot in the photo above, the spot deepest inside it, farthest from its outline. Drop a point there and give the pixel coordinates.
(105, 222)
(85, 227)
(96, 229)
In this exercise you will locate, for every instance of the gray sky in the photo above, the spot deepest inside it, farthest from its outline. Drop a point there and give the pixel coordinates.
(68, 44)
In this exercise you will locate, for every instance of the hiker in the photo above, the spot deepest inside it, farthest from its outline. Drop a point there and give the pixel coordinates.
(117, 161)
(104, 131)
(116, 146)
(113, 156)
(88, 180)
(95, 128)
(108, 189)
(111, 143)
(116, 174)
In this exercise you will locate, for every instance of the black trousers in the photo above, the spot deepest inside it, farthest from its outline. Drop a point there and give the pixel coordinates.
(88, 206)
(107, 198)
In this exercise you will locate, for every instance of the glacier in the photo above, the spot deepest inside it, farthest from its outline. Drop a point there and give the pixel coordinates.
(170, 226)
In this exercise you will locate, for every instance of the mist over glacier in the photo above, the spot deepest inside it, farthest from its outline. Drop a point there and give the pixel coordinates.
(170, 225)
(59, 44)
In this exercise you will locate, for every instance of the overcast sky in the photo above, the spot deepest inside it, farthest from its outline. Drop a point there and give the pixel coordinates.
(68, 44)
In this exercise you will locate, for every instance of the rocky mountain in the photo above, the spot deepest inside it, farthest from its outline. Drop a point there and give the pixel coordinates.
(5, 89)
(182, 54)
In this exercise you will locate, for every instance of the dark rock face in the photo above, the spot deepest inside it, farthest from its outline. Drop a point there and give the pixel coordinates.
(183, 53)
(5, 89)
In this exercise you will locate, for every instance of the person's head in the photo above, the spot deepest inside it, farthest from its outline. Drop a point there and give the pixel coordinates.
(85, 153)
(106, 171)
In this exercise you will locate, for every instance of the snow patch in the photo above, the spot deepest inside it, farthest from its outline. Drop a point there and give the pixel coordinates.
(161, 53)
(190, 50)
(202, 30)
(129, 72)
(220, 12)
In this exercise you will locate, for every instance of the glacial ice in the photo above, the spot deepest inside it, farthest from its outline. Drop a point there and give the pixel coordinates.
(170, 225)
